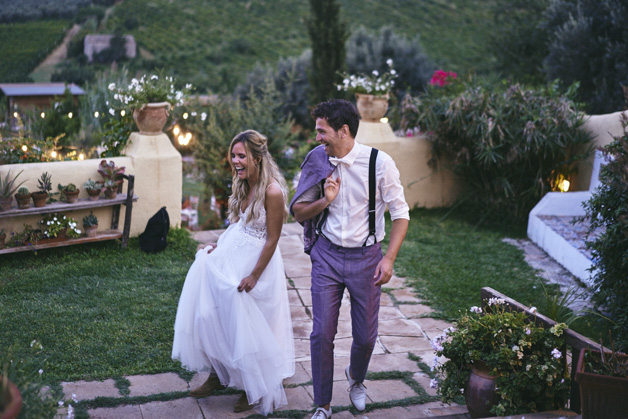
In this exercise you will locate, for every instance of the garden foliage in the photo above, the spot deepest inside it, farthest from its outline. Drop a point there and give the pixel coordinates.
(608, 208)
(509, 144)
(589, 44)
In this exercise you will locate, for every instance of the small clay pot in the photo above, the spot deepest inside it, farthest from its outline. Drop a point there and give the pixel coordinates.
(93, 194)
(39, 198)
(23, 201)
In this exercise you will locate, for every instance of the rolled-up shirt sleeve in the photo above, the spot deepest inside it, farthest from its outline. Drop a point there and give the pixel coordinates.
(391, 190)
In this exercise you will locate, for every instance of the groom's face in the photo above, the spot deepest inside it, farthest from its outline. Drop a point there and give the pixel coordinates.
(326, 136)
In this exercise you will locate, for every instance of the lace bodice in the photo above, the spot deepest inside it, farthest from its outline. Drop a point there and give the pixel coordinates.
(255, 228)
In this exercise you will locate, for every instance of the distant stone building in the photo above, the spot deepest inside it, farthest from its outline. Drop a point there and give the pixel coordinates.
(94, 44)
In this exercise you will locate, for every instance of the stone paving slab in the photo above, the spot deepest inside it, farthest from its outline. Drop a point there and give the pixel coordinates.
(399, 327)
(301, 375)
(145, 385)
(415, 311)
(392, 362)
(405, 344)
(298, 399)
(404, 295)
(395, 282)
(290, 245)
(221, 407)
(301, 329)
(389, 313)
(186, 408)
(302, 282)
(121, 412)
(87, 390)
(299, 314)
(388, 390)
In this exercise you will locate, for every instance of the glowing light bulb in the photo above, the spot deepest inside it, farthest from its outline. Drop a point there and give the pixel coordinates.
(24, 148)
(96, 114)
(181, 139)
(70, 115)
(122, 112)
(185, 115)
(14, 114)
(383, 120)
(81, 156)
(563, 186)
(43, 115)
(176, 130)
(53, 154)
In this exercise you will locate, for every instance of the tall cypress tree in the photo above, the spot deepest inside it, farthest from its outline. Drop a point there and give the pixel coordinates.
(327, 34)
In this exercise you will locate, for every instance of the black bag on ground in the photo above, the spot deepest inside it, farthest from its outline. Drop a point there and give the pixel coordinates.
(154, 238)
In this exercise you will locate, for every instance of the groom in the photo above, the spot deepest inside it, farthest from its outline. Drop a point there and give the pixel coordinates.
(332, 203)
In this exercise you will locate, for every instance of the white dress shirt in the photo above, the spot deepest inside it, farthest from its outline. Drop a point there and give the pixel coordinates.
(347, 224)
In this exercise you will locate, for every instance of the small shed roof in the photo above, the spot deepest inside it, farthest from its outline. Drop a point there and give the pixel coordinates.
(39, 89)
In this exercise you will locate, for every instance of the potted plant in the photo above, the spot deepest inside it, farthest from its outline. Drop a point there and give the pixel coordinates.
(603, 380)
(93, 189)
(90, 224)
(151, 98)
(501, 363)
(8, 187)
(69, 193)
(372, 91)
(112, 176)
(44, 184)
(23, 198)
(57, 227)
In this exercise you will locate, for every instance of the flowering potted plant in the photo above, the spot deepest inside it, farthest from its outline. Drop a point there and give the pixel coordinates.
(151, 98)
(371, 91)
(58, 227)
(501, 363)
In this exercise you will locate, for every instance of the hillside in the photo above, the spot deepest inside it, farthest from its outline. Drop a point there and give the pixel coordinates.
(213, 43)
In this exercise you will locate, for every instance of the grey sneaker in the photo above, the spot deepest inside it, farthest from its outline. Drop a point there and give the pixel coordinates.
(357, 391)
(321, 413)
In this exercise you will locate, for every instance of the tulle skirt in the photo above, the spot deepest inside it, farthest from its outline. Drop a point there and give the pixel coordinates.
(245, 338)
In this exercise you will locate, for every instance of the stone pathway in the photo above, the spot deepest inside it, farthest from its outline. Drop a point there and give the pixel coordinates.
(398, 387)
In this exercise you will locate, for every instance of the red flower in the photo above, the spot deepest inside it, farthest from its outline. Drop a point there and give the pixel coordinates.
(442, 78)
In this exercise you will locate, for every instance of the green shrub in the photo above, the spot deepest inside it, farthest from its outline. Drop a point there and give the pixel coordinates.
(608, 208)
(510, 145)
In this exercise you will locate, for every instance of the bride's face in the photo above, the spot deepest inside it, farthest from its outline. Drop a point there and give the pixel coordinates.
(240, 160)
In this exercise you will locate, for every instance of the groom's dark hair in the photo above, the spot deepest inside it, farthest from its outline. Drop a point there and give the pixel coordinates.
(338, 112)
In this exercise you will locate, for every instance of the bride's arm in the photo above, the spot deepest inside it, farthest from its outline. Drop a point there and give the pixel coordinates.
(274, 205)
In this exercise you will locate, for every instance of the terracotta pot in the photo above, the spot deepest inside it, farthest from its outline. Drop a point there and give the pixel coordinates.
(93, 194)
(601, 396)
(480, 393)
(91, 231)
(39, 198)
(111, 193)
(23, 201)
(11, 399)
(61, 237)
(152, 117)
(71, 197)
(5, 203)
(371, 108)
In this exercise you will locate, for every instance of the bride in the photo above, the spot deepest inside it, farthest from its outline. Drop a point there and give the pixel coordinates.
(233, 318)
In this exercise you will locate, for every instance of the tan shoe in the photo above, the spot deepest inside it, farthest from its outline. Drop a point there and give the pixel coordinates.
(242, 405)
(208, 387)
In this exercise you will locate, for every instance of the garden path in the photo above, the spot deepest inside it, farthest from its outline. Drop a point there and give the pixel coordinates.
(400, 387)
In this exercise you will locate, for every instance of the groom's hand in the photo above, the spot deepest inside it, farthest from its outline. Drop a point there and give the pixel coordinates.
(331, 188)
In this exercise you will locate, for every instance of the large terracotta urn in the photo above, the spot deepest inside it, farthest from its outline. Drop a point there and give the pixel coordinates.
(371, 107)
(151, 118)
(480, 393)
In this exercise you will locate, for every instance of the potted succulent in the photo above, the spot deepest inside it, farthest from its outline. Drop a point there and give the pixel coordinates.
(502, 363)
(23, 198)
(69, 193)
(7, 189)
(603, 380)
(44, 184)
(372, 91)
(151, 98)
(112, 176)
(90, 224)
(93, 189)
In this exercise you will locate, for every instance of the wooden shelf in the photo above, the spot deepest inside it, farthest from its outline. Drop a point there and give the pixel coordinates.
(83, 203)
(103, 235)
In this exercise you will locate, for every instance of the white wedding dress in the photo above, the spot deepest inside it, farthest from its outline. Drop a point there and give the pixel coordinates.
(246, 338)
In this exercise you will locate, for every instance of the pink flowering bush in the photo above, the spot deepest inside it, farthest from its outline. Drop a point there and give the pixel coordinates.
(442, 78)
(526, 359)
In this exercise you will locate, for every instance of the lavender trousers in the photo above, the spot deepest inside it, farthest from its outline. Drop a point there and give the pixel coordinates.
(333, 269)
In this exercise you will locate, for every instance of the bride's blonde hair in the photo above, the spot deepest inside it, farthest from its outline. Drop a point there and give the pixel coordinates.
(258, 158)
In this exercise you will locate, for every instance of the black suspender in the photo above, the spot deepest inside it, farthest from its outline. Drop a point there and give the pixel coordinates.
(372, 196)
(372, 185)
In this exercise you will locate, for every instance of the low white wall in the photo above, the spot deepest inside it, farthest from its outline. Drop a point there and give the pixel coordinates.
(153, 160)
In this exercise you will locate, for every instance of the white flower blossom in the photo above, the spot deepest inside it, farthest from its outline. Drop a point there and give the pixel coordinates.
(112, 86)
(433, 383)
(556, 353)
(112, 112)
(533, 310)
(389, 62)
(154, 77)
(60, 403)
(203, 116)
(41, 371)
(475, 309)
